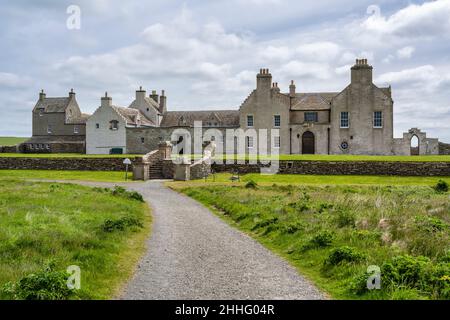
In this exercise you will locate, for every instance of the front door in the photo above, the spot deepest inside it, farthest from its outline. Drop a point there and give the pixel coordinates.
(308, 143)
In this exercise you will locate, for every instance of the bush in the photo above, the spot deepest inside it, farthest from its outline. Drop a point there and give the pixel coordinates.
(322, 239)
(430, 224)
(251, 185)
(343, 254)
(122, 192)
(358, 285)
(441, 186)
(345, 218)
(404, 270)
(121, 224)
(292, 227)
(43, 285)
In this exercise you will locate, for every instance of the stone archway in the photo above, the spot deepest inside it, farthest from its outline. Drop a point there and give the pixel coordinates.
(415, 145)
(308, 143)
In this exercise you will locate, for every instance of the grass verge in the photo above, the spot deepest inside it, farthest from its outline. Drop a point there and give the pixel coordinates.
(66, 155)
(332, 234)
(102, 176)
(101, 231)
(11, 141)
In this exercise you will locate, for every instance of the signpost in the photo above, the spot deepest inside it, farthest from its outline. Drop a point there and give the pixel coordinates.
(126, 162)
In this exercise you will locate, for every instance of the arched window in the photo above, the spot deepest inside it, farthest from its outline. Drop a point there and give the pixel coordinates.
(414, 145)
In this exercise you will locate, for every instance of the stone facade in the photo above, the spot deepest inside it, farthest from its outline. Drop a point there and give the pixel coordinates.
(444, 148)
(58, 126)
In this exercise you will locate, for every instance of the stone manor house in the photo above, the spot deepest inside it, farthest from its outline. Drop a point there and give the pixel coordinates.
(356, 120)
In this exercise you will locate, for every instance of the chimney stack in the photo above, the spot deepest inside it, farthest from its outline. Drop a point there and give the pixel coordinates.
(71, 94)
(361, 72)
(163, 102)
(106, 101)
(292, 89)
(42, 95)
(140, 95)
(155, 96)
(263, 80)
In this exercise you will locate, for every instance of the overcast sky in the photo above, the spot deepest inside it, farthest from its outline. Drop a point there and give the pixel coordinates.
(206, 54)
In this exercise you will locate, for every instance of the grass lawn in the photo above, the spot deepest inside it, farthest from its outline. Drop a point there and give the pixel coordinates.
(57, 225)
(66, 155)
(11, 141)
(105, 176)
(297, 179)
(332, 233)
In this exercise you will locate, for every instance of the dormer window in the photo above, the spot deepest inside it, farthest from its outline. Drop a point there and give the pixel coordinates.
(114, 125)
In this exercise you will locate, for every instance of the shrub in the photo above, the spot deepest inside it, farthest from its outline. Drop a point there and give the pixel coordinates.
(264, 222)
(324, 206)
(404, 270)
(441, 186)
(251, 185)
(122, 192)
(43, 285)
(292, 227)
(430, 224)
(121, 224)
(358, 285)
(322, 239)
(343, 254)
(345, 218)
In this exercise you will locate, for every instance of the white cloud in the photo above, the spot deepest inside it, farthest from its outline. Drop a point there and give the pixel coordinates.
(405, 53)
(426, 20)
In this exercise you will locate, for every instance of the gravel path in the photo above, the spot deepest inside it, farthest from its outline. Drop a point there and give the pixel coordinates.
(193, 254)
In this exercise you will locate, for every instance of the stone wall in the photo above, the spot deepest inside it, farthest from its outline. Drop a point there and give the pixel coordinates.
(168, 169)
(444, 148)
(85, 164)
(346, 168)
(9, 149)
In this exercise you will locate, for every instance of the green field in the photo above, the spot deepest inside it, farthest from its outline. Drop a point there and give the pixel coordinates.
(46, 227)
(11, 141)
(106, 176)
(66, 155)
(298, 179)
(333, 233)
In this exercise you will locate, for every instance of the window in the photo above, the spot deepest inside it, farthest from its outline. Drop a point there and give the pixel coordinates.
(249, 121)
(76, 130)
(31, 147)
(114, 125)
(378, 119)
(249, 142)
(310, 116)
(41, 112)
(148, 109)
(276, 142)
(97, 125)
(345, 120)
(47, 146)
(277, 120)
(142, 140)
(49, 129)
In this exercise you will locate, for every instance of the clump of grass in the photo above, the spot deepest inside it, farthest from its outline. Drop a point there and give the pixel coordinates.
(121, 224)
(343, 254)
(251, 185)
(122, 192)
(441, 186)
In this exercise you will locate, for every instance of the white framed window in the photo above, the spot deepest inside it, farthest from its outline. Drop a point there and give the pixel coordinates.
(378, 119)
(311, 116)
(249, 142)
(277, 120)
(250, 121)
(276, 141)
(31, 147)
(41, 112)
(76, 130)
(49, 129)
(47, 146)
(345, 121)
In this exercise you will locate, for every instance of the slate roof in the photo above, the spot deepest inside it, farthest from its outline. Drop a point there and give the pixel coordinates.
(223, 118)
(53, 104)
(313, 101)
(150, 102)
(132, 116)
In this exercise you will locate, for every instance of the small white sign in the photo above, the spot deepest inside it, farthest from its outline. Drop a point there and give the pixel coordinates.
(127, 161)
